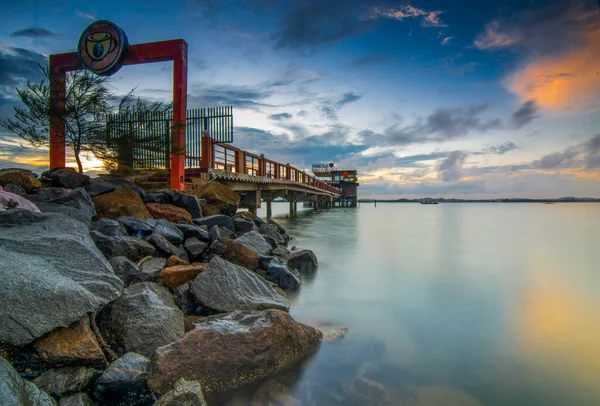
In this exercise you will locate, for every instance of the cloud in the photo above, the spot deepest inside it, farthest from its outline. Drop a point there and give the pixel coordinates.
(427, 18)
(249, 97)
(494, 38)
(33, 33)
(502, 148)
(586, 155)
(447, 39)
(450, 169)
(374, 58)
(86, 16)
(280, 116)
(17, 65)
(556, 159)
(330, 108)
(525, 114)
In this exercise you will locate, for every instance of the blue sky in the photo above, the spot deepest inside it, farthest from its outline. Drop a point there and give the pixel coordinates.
(466, 99)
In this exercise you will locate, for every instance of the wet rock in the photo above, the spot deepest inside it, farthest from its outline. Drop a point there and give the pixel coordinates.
(135, 225)
(284, 277)
(216, 249)
(220, 197)
(19, 177)
(152, 266)
(240, 254)
(189, 203)
(15, 391)
(97, 187)
(73, 345)
(121, 202)
(256, 242)
(369, 392)
(190, 231)
(169, 212)
(271, 231)
(280, 229)
(234, 350)
(195, 248)
(66, 381)
(245, 290)
(169, 231)
(49, 257)
(141, 320)
(215, 220)
(185, 299)
(109, 227)
(177, 275)
(243, 224)
(304, 261)
(76, 204)
(122, 183)
(184, 393)
(127, 270)
(125, 382)
(16, 189)
(130, 247)
(163, 247)
(65, 177)
(215, 234)
(78, 399)
(281, 251)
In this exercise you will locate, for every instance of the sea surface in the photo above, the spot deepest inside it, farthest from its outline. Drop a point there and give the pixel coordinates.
(450, 304)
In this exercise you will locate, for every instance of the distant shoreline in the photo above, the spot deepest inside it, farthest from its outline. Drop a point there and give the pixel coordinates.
(442, 200)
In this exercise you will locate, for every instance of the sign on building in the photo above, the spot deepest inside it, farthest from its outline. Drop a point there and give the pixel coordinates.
(323, 169)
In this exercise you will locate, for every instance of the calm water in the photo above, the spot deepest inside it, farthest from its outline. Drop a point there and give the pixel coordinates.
(453, 304)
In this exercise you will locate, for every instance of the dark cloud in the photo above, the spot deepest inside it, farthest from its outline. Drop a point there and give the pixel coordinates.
(249, 97)
(450, 169)
(525, 114)
(280, 116)
(592, 152)
(556, 159)
(502, 148)
(33, 33)
(375, 58)
(331, 107)
(18, 65)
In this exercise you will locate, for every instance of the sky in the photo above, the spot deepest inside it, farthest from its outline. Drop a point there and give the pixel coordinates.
(425, 98)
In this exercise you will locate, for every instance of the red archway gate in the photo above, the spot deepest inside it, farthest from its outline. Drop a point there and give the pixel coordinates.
(173, 50)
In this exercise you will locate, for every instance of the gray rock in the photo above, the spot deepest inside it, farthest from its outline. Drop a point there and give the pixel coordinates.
(216, 220)
(281, 251)
(15, 391)
(65, 177)
(184, 393)
(155, 197)
(127, 270)
(271, 231)
(125, 382)
(152, 267)
(16, 189)
(276, 224)
(118, 181)
(215, 234)
(285, 278)
(134, 225)
(46, 194)
(242, 224)
(244, 289)
(264, 261)
(66, 381)
(303, 261)
(169, 231)
(96, 187)
(185, 300)
(76, 204)
(130, 247)
(141, 320)
(255, 241)
(109, 227)
(53, 274)
(163, 247)
(216, 249)
(195, 248)
(258, 221)
(78, 399)
(188, 202)
(190, 231)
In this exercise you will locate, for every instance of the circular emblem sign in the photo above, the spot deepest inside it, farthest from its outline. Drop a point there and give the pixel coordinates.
(102, 48)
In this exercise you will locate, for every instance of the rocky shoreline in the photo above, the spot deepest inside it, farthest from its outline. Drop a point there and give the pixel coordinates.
(112, 295)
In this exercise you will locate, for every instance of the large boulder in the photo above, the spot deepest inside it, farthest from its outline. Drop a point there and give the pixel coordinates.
(73, 345)
(256, 242)
(188, 202)
(151, 267)
(190, 231)
(225, 287)
(216, 220)
(243, 224)
(141, 320)
(163, 246)
(279, 273)
(65, 177)
(304, 261)
(220, 197)
(109, 227)
(76, 204)
(185, 299)
(234, 350)
(184, 393)
(47, 193)
(19, 177)
(127, 270)
(271, 232)
(122, 183)
(195, 248)
(97, 187)
(125, 382)
(240, 254)
(134, 225)
(121, 202)
(66, 381)
(177, 275)
(54, 274)
(15, 391)
(130, 247)
(169, 231)
(169, 212)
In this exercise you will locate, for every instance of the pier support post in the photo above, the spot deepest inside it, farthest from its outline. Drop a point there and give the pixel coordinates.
(295, 207)
(291, 209)
(269, 209)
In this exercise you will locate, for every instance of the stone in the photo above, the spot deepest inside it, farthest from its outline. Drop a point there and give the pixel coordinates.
(216, 249)
(173, 260)
(284, 277)
(163, 247)
(130, 247)
(264, 261)
(209, 209)
(215, 234)
(19, 177)
(234, 350)
(195, 248)
(73, 345)
(76, 204)
(109, 227)
(65, 177)
(190, 231)
(78, 399)
(169, 231)
(97, 187)
(177, 275)
(10, 201)
(127, 270)
(50, 258)
(189, 203)
(280, 251)
(215, 220)
(280, 229)
(152, 267)
(184, 393)
(185, 300)
(15, 391)
(304, 261)
(155, 197)
(119, 182)
(226, 287)
(243, 224)
(220, 197)
(271, 231)
(183, 254)
(65, 381)
(121, 202)
(256, 242)
(134, 225)
(47, 193)
(141, 320)
(16, 189)
(189, 322)
(240, 254)
(169, 212)
(125, 382)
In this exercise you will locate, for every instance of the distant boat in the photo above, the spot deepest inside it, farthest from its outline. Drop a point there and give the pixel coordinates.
(428, 202)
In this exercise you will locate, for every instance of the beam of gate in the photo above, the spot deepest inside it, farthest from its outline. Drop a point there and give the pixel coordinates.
(173, 50)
